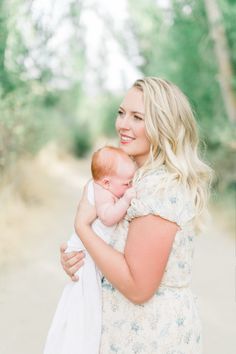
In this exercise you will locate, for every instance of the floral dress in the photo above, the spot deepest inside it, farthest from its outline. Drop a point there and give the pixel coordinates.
(168, 323)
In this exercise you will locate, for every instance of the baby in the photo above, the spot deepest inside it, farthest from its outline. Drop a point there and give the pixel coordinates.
(76, 326)
(112, 172)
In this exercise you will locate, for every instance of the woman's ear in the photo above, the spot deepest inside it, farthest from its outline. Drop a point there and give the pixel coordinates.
(105, 182)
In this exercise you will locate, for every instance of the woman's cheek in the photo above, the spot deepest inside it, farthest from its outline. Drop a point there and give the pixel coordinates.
(117, 125)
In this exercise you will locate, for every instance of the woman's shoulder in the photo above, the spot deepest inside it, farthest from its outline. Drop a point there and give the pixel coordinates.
(151, 177)
(158, 192)
(157, 182)
(160, 180)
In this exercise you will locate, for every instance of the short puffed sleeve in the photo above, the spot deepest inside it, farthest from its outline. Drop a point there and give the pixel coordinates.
(172, 203)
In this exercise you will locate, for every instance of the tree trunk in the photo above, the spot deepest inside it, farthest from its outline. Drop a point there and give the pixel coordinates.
(223, 58)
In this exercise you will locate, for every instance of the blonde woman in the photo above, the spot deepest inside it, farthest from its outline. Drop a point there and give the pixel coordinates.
(148, 306)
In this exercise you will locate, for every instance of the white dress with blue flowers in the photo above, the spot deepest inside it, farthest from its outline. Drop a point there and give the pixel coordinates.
(168, 323)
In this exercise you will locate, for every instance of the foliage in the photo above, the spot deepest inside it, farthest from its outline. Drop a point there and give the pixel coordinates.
(25, 126)
(45, 92)
(175, 43)
(33, 107)
(107, 108)
(229, 14)
(81, 140)
(184, 55)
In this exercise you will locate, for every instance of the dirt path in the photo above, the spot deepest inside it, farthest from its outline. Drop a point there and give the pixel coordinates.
(31, 279)
(214, 283)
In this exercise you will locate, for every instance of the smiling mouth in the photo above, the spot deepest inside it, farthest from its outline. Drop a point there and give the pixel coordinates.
(126, 138)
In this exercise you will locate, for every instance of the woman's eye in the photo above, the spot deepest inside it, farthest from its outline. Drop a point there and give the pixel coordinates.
(138, 118)
(120, 113)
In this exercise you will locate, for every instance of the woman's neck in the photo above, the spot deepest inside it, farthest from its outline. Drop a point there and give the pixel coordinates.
(140, 160)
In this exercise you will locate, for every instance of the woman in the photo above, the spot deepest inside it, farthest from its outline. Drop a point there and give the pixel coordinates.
(148, 306)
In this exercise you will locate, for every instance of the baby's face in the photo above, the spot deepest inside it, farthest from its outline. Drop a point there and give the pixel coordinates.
(120, 182)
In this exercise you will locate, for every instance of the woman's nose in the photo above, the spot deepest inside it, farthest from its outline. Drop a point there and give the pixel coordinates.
(123, 123)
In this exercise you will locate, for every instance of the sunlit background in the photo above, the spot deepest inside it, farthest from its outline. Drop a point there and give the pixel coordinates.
(64, 68)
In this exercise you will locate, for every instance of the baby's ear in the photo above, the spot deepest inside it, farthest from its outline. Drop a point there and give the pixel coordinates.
(105, 182)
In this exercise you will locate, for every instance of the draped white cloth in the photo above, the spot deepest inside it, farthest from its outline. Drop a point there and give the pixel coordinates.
(76, 326)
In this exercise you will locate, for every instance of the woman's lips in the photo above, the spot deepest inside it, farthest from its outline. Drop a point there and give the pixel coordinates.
(125, 139)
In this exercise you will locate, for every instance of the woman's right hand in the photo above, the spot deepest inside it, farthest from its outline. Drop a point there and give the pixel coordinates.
(71, 262)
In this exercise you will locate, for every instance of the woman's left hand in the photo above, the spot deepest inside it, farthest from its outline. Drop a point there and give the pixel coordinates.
(86, 212)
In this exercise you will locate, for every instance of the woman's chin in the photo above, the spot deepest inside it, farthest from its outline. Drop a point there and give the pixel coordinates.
(126, 148)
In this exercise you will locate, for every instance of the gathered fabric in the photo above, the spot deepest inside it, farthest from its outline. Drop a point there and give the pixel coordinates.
(76, 326)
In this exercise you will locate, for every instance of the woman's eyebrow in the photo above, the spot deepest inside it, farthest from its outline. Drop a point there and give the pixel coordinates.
(133, 111)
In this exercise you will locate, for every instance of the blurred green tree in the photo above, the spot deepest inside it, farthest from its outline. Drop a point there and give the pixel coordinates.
(175, 43)
(33, 88)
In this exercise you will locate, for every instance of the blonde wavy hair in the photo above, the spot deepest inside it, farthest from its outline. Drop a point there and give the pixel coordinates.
(172, 131)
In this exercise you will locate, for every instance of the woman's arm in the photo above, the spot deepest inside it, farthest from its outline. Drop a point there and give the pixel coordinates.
(138, 272)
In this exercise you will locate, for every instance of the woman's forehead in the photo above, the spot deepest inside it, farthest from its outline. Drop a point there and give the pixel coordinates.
(133, 101)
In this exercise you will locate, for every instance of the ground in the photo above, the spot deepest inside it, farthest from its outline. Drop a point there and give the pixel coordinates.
(37, 211)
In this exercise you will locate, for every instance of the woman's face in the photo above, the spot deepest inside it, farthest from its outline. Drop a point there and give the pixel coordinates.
(130, 126)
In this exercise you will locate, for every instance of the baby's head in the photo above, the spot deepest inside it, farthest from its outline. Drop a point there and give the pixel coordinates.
(113, 169)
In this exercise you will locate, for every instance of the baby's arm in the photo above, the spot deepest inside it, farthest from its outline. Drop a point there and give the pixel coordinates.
(109, 210)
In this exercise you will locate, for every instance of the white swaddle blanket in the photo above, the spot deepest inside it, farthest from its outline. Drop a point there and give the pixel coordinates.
(76, 326)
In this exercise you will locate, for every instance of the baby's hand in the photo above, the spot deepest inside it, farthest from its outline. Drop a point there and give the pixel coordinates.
(129, 194)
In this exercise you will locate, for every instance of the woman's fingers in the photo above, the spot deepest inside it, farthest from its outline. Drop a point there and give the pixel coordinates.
(74, 258)
(72, 270)
(71, 262)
